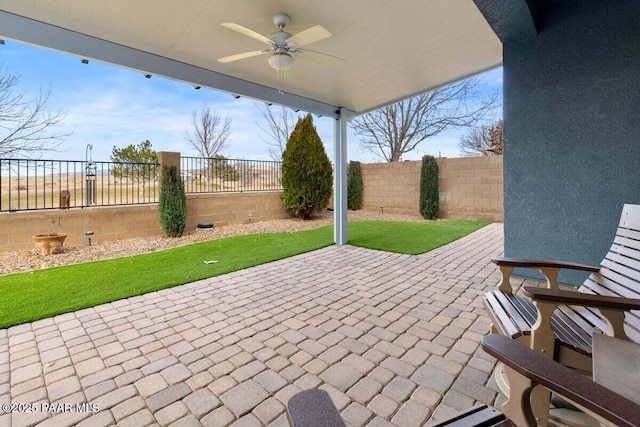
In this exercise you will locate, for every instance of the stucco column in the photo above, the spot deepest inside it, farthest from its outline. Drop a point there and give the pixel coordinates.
(168, 158)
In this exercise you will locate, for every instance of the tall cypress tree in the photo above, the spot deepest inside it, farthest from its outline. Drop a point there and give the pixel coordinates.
(306, 171)
(429, 195)
(173, 203)
(354, 186)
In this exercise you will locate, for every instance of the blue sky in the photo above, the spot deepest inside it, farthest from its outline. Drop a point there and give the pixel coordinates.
(108, 106)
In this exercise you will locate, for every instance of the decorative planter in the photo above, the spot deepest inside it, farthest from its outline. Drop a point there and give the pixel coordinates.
(49, 243)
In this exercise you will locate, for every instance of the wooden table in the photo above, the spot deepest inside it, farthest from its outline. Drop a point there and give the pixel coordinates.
(616, 365)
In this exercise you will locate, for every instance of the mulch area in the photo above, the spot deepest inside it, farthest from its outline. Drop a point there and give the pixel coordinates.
(21, 261)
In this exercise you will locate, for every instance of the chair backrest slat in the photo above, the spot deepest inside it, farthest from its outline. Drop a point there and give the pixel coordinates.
(632, 255)
(620, 272)
(611, 283)
(630, 217)
(626, 241)
(622, 275)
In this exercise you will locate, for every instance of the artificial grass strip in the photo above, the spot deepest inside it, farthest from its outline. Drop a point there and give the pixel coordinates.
(410, 238)
(25, 297)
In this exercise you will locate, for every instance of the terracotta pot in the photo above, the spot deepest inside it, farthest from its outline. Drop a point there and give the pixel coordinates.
(49, 243)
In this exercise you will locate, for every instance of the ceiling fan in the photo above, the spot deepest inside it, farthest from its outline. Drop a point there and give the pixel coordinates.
(283, 46)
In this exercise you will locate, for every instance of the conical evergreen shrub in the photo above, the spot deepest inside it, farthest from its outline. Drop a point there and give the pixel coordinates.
(429, 195)
(354, 186)
(306, 171)
(173, 203)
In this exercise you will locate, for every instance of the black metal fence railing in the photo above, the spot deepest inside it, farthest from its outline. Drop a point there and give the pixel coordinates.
(60, 184)
(217, 174)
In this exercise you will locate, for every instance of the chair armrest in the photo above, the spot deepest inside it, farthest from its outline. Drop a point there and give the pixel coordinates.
(539, 369)
(579, 298)
(539, 263)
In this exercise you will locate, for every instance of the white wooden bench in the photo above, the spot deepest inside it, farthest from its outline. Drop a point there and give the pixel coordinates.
(560, 322)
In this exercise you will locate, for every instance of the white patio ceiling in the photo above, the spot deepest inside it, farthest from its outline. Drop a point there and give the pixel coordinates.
(392, 49)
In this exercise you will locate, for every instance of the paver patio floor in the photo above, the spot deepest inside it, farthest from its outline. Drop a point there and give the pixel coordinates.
(393, 338)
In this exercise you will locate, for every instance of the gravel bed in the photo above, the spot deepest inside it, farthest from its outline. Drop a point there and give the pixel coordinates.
(20, 261)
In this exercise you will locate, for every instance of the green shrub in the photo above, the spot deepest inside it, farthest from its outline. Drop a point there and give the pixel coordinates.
(306, 171)
(429, 196)
(173, 203)
(354, 186)
(219, 167)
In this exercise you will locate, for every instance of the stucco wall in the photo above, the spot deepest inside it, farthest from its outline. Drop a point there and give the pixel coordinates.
(571, 131)
(123, 222)
(470, 188)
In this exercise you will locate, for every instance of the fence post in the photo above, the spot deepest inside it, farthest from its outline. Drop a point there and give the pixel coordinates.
(168, 158)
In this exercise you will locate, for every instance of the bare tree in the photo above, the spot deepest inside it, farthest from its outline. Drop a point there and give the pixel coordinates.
(474, 141)
(482, 141)
(210, 133)
(400, 128)
(276, 127)
(26, 127)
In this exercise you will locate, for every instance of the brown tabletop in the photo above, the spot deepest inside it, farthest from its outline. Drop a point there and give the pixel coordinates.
(616, 365)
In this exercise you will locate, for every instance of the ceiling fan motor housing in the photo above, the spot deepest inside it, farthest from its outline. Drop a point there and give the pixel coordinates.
(280, 39)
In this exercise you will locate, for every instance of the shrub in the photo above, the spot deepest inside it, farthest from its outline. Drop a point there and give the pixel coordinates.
(306, 171)
(173, 203)
(429, 196)
(354, 186)
(219, 167)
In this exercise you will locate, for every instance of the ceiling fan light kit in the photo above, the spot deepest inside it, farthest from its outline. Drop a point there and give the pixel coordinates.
(281, 61)
(282, 45)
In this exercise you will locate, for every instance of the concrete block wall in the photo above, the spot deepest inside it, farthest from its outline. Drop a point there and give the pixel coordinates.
(107, 223)
(124, 222)
(470, 187)
(393, 186)
(234, 208)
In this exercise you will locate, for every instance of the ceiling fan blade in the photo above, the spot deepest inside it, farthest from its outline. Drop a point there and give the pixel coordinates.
(310, 35)
(247, 32)
(244, 55)
(319, 56)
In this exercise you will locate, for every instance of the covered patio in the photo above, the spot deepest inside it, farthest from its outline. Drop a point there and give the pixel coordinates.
(368, 327)
(385, 51)
(393, 338)
(571, 74)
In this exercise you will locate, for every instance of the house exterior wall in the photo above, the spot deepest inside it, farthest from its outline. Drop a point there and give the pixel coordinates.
(572, 131)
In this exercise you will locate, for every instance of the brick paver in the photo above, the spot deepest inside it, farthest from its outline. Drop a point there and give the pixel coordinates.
(394, 340)
(244, 397)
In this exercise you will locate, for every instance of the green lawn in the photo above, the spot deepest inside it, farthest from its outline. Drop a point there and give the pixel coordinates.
(43, 293)
(39, 294)
(409, 237)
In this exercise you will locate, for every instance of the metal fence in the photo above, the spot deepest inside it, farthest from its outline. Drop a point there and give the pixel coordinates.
(217, 175)
(60, 184)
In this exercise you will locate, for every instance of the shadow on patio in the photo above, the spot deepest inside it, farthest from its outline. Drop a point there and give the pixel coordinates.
(393, 338)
